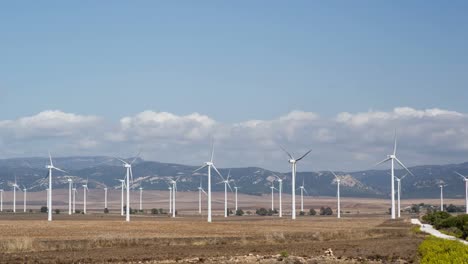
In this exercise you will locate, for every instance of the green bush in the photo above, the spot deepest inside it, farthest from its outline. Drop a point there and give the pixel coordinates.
(57, 211)
(239, 212)
(326, 211)
(455, 225)
(44, 209)
(301, 213)
(154, 211)
(312, 211)
(106, 210)
(436, 250)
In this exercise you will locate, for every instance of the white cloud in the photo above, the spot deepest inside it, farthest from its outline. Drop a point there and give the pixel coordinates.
(348, 141)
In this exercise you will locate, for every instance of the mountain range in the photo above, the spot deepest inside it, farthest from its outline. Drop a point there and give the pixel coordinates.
(101, 171)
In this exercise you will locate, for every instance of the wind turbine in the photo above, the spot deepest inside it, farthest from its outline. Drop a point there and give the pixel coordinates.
(174, 191)
(141, 198)
(236, 189)
(170, 199)
(293, 163)
(15, 186)
(1, 200)
(338, 180)
(200, 191)
(466, 190)
(70, 183)
(24, 198)
(272, 187)
(47, 195)
(441, 186)
(280, 191)
(74, 198)
(209, 165)
(226, 185)
(51, 167)
(399, 192)
(392, 158)
(85, 189)
(105, 197)
(302, 194)
(122, 183)
(128, 167)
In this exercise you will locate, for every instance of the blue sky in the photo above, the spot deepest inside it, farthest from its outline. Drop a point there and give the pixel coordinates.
(232, 61)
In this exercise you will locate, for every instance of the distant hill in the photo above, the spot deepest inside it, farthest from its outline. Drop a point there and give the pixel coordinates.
(104, 171)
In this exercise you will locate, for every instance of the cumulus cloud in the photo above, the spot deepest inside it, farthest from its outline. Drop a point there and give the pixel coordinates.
(348, 141)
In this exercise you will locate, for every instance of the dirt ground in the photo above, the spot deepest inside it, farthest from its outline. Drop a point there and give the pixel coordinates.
(28, 238)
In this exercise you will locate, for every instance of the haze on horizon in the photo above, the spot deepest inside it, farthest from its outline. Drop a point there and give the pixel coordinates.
(337, 77)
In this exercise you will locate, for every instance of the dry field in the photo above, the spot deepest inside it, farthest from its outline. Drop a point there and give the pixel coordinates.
(106, 238)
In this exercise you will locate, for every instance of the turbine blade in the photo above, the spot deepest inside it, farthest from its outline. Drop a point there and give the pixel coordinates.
(404, 167)
(50, 159)
(403, 176)
(289, 154)
(395, 144)
(305, 190)
(204, 192)
(201, 168)
(212, 150)
(336, 176)
(61, 170)
(303, 156)
(460, 175)
(124, 162)
(214, 167)
(131, 174)
(383, 161)
(136, 157)
(229, 187)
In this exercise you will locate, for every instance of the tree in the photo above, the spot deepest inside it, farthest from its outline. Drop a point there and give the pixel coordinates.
(312, 211)
(326, 211)
(239, 212)
(44, 209)
(161, 211)
(229, 211)
(301, 213)
(106, 211)
(57, 211)
(262, 212)
(154, 211)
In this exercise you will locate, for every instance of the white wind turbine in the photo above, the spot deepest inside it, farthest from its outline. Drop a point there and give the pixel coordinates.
(209, 165)
(1, 200)
(122, 183)
(74, 198)
(174, 191)
(399, 192)
(170, 199)
(293, 163)
(85, 190)
(105, 197)
(128, 167)
(51, 167)
(15, 186)
(47, 198)
(441, 186)
(272, 187)
(141, 198)
(466, 190)
(24, 198)
(280, 191)
(392, 158)
(338, 180)
(236, 189)
(302, 188)
(226, 185)
(200, 191)
(70, 183)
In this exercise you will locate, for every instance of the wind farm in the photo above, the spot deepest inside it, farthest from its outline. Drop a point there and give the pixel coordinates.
(252, 132)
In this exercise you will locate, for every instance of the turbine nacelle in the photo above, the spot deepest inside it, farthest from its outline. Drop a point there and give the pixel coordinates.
(391, 156)
(209, 163)
(292, 161)
(126, 165)
(49, 167)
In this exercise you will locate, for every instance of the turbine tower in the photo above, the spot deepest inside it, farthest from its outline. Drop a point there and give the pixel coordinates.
(141, 198)
(24, 198)
(85, 189)
(226, 185)
(293, 163)
(74, 198)
(170, 199)
(105, 197)
(338, 180)
(236, 189)
(70, 183)
(51, 167)
(128, 167)
(302, 188)
(272, 187)
(122, 183)
(209, 165)
(174, 191)
(441, 186)
(280, 191)
(466, 190)
(392, 158)
(1, 200)
(399, 192)
(15, 186)
(200, 191)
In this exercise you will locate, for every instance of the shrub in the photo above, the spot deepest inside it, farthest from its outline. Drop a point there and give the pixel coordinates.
(77, 212)
(301, 213)
(437, 250)
(312, 211)
(106, 210)
(229, 211)
(249, 213)
(44, 209)
(239, 212)
(284, 254)
(326, 211)
(154, 211)
(262, 212)
(161, 211)
(57, 211)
